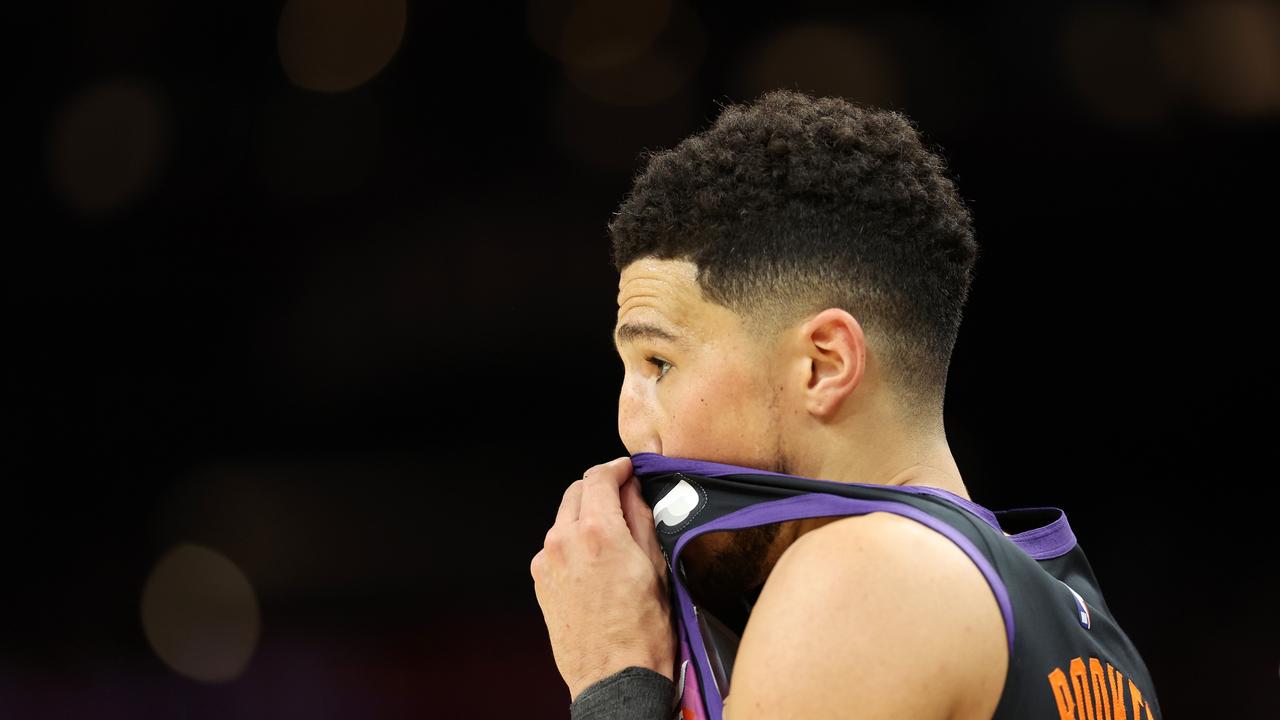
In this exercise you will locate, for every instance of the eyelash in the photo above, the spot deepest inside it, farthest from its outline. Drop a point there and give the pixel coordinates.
(663, 366)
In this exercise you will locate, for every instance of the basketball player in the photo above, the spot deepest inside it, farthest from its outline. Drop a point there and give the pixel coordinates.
(791, 285)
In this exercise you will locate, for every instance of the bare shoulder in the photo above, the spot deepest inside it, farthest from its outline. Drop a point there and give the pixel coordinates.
(878, 613)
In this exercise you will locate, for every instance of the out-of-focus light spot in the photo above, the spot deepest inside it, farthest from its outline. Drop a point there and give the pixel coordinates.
(601, 34)
(336, 45)
(545, 20)
(823, 59)
(652, 64)
(1113, 59)
(1228, 54)
(596, 33)
(609, 138)
(200, 614)
(108, 144)
(628, 53)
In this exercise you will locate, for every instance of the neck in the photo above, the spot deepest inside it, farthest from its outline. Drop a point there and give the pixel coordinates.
(920, 463)
(881, 451)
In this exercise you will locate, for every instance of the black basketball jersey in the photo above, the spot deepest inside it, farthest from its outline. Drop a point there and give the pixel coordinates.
(1068, 658)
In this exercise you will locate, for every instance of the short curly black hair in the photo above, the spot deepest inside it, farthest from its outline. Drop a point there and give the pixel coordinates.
(794, 204)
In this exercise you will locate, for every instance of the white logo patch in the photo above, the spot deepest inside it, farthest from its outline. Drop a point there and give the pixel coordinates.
(676, 505)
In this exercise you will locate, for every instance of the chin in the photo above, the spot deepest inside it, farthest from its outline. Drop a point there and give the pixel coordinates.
(772, 463)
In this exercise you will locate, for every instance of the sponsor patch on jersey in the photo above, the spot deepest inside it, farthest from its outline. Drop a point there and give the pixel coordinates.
(1082, 610)
(679, 505)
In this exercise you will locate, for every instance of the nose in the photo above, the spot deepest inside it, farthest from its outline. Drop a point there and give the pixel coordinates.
(636, 426)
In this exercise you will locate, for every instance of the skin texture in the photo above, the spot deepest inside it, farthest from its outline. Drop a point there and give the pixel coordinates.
(601, 581)
(892, 600)
(877, 613)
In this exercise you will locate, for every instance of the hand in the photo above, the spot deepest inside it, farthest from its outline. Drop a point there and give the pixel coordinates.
(602, 581)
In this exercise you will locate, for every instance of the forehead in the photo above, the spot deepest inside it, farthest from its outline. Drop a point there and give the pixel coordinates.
(662, 299)
(665, 288)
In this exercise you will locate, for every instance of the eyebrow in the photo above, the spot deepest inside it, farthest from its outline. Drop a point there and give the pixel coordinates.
(629, 332)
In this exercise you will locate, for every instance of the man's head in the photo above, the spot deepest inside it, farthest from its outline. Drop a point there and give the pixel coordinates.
(796, 269)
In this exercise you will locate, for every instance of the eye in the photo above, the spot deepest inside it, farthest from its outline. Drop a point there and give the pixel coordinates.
(662, 365)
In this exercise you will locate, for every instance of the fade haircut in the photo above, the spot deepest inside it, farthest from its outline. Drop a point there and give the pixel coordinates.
(793, 204)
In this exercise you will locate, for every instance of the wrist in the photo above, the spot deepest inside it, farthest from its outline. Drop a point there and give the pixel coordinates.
(633, 693)
(615, 665)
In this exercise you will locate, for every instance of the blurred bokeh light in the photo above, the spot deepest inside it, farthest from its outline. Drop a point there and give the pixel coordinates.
(600, 34)
(607, 138)
(318, 316)
(336, 45)
(1113, 57)
(1133, 67)
(1229, 55)
(200, 614)
(108, 145)
(823, 59)
(631, 54)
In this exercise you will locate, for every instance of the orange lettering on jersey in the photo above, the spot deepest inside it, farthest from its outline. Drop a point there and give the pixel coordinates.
(1062, 695)
(1087, 692)
(1115, 679)
(1097, 681)
(1080, 688)
(1136, 696)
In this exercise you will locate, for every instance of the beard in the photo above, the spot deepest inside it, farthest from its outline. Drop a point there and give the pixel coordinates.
(725, 573)
(735, 564)
(726, 569)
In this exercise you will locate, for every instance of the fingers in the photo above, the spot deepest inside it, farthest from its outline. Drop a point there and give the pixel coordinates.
(608, 476)
(601, 494)
(570, 504)
(640, 522)
(638, 513)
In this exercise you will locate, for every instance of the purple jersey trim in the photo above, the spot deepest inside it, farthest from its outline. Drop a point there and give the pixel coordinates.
(652, 463)
(691, 704)
(822, 505)
(1049, 541)
(689, 624)
(1043, 543)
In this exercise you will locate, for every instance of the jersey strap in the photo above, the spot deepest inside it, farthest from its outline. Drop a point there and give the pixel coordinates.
(690, 498)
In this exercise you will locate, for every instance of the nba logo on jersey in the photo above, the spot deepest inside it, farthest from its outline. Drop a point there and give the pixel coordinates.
(1083, 610)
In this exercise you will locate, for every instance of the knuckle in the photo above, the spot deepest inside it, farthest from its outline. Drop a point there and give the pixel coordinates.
(593, 528)
(601, 474)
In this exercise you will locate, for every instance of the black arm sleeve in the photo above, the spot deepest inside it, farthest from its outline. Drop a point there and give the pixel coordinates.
(634, 693)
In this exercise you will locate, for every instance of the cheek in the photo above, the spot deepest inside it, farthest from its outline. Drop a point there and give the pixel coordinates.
(715, 417)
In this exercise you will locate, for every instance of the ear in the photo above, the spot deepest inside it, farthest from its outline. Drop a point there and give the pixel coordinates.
(836, 350)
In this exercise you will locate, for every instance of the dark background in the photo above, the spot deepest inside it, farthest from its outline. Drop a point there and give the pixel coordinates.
(344, 320)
